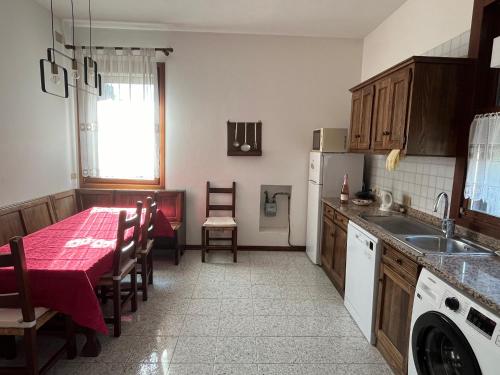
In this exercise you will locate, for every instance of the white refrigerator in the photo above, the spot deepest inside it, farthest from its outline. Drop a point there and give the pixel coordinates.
(326, 175)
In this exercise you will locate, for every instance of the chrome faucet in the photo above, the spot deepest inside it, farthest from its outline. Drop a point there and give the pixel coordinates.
(447, 224)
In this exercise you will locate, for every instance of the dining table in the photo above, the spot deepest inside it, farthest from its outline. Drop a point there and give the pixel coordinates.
(64, 263)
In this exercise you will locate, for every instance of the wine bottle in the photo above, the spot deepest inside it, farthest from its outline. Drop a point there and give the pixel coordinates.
(344, 193)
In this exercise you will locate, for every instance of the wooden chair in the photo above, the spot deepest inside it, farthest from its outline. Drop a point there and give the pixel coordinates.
(145, 249)
(218, 223)
(124, 264)
(18, 317)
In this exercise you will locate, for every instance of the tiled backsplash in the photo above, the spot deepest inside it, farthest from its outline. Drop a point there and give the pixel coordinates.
(419, 178)
(455, 47)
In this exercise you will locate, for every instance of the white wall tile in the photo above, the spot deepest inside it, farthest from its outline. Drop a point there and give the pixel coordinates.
(420, 178)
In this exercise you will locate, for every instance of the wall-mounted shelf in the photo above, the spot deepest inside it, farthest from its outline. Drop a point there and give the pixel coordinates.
(236, 131)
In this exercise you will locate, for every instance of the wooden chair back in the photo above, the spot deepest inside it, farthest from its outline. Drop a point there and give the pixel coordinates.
(149, 222)
(88, 198)
(126, 247)
(24, 218)
(65, 204)
(21, 298)
(129, 198)
(221, 207)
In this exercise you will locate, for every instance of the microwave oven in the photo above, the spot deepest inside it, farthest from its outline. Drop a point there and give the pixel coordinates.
(330, 140)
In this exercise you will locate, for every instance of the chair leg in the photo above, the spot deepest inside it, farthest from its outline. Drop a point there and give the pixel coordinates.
(104, 294)
(150, 267)
(203, 244)
(207, 238)
(8, 348)
(235, 245)
(177, 254)
(31, 351)
(71, 349)
(144, 277)
(117, 308)
(133, 288)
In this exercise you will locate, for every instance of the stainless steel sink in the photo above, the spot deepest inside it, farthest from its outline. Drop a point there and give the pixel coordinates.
(440, 244)
(422, 237)
(399, 224)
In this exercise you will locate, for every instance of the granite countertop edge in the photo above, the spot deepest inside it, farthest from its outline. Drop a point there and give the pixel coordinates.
(434, 263)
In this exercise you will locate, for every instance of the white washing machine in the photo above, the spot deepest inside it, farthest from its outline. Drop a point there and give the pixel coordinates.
(451, 334)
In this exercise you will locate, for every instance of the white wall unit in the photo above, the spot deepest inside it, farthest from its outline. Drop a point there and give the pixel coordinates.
(36, 141)
(292, 84)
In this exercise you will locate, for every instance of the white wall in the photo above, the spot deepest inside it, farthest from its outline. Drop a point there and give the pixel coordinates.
(416, 27)
(292, 84)
(36, 155)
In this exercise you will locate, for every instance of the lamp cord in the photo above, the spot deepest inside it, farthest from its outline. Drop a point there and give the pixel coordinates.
(73, 27)
(52, 25)
(90, 31)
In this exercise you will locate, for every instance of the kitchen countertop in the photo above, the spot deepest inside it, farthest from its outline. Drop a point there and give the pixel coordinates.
(477, 276)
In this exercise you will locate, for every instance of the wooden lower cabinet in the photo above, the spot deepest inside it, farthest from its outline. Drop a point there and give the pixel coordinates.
(394, 308)
(333, 253)
(327, 244)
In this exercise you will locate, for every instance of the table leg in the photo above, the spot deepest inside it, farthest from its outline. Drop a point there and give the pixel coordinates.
(177, 254)
(8, 347)
(92, 347)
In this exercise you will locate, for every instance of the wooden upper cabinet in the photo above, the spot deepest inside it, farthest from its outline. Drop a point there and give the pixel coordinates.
(391, 108)
(361, 115)
(355, 119)
(380, 121)
(395, 131)
(414, 106)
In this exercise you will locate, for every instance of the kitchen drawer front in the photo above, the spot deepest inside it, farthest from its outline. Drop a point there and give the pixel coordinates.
(328, 211)
(341, 220)
(401, 263)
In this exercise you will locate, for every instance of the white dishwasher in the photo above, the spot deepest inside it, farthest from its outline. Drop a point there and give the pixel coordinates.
(361, 279)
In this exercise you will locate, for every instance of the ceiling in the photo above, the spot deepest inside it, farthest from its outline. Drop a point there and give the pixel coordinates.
(327, 18)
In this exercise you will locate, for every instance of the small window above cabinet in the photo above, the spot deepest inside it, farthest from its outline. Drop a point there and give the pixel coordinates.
(415, 106)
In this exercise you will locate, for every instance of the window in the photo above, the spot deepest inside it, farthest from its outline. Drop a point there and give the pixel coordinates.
(482, 185)
(121, 133)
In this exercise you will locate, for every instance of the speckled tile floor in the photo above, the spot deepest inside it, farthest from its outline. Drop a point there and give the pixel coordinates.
(271, 313)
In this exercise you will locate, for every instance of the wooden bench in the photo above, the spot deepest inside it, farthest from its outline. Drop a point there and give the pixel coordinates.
(27, 217)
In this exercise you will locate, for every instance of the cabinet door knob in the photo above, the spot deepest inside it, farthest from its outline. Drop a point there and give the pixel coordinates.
(399, 261)
(386, 132)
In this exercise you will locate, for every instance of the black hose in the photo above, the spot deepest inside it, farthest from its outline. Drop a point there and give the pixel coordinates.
(289, 220)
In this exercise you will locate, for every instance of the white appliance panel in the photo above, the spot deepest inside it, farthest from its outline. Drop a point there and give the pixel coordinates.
(362, 264)
(315, 165)
(335, 166)
(430, 295)
(326, 174)
(314, 222)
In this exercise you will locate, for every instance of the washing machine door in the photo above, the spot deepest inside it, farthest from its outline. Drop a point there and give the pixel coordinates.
(440, 348)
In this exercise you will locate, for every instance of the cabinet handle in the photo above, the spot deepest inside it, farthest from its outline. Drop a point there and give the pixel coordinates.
(399, 261)
(358, 136)
(385, 132)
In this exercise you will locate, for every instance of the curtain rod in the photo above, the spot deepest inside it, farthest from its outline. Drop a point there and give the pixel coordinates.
(167, 51)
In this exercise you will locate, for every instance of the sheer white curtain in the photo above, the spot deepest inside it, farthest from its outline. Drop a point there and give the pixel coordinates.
(482, 186)
(119, 131)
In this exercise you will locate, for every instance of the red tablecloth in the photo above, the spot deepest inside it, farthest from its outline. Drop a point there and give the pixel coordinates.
(162, 226)
(65, 261)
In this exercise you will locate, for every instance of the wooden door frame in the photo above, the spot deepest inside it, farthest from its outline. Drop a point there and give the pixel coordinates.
(480, 50)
